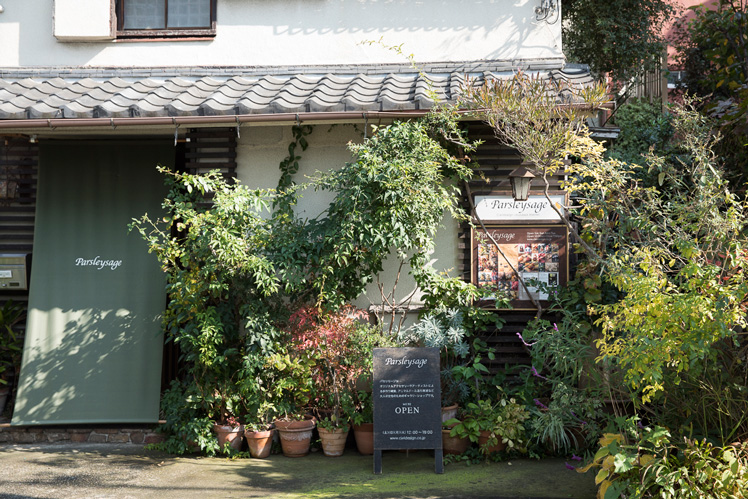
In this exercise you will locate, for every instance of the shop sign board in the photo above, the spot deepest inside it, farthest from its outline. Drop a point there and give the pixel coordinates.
(503, 208)
(407, 402)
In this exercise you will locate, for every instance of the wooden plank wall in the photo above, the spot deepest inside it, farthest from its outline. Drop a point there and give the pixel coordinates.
(209, 149)
(495, 162)
(19, 161)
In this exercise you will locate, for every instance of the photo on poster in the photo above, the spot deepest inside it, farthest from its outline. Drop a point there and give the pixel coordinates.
(536, 254)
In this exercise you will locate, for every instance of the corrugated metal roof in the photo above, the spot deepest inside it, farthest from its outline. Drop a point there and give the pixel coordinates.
(77, 93)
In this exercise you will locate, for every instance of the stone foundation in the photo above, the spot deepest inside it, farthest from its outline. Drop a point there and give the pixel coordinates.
(132, 434)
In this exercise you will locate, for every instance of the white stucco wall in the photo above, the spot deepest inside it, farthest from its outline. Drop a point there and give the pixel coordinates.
(96, 24)
(261, 149)
(291, 32)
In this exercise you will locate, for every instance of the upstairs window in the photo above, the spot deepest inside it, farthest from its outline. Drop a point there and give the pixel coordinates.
(165, 18)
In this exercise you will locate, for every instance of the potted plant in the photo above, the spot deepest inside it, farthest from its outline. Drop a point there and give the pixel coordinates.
(334, 427)
(259, 437)
(457, 443)
(259, 430)
(493, 426)
(333, 435)
(225, 406)
(444, 329)
(363, 423)
(229, 432)
(292, 390)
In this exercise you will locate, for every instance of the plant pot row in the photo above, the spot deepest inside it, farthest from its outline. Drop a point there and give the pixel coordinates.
(295, 438)
(258, 442)
(295, 442)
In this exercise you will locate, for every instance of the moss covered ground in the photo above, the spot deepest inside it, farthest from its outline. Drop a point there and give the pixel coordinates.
(108, 470)
(412, 476)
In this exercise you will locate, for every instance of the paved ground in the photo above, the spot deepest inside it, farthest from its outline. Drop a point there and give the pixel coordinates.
(129, 471)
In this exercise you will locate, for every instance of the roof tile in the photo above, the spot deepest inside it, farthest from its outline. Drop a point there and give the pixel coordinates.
(9, 111)
(78, 93)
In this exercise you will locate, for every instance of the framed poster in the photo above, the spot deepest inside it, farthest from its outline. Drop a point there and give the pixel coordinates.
(536, 253)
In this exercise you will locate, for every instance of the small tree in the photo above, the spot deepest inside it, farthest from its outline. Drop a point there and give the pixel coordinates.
(620, 38)
(390, 201)
(664, 280)
(543, 120)
(713, 51)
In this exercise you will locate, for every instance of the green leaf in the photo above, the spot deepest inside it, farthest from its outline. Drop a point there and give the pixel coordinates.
(623, 463)
(601, 475)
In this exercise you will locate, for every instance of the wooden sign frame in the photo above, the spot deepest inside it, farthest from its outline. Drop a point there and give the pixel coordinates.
(536, 252)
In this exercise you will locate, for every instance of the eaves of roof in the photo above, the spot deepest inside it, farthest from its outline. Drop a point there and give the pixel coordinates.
(71, 97)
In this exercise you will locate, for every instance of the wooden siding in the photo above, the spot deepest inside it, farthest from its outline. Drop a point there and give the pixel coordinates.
(211, 149)
(495, 161)
(19, 160)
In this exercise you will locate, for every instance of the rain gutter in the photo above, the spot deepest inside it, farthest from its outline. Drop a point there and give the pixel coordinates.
(233, 119)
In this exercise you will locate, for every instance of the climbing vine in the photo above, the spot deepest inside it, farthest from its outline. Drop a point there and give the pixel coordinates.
(289, 166)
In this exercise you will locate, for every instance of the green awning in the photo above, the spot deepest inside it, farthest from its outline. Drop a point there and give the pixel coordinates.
(93, 344)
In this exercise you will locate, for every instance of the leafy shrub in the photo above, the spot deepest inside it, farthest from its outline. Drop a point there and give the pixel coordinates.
(565, 378)
(503, 420)
(235, 264)
(186, 427)
(11, 343)
(643, 126)
(338, 347)
(674, 237)
(643, 462)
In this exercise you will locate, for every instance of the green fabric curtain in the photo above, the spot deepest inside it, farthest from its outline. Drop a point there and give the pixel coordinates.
(93, 344)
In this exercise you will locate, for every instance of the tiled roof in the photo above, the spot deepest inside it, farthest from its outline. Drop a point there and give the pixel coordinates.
(151, 92)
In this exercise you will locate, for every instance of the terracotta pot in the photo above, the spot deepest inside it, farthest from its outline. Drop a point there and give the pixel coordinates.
(454, 445)
(259, 442)
(333, 441)
(295, 437)
(364, 434)
(230, 434)
(449, 412)
(293, 424)
(483, 439)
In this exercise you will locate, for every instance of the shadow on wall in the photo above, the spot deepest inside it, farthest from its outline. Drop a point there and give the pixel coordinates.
(86, 371)
(457, 22)
(257, 32)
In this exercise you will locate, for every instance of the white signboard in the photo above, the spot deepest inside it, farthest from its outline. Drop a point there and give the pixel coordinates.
(505, 208)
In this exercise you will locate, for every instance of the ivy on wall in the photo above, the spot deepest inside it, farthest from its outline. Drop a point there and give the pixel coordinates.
(289, 166)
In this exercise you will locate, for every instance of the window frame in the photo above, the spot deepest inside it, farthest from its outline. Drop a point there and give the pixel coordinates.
(162, 33)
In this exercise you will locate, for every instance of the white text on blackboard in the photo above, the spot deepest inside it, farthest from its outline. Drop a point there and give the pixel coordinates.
(406, 362)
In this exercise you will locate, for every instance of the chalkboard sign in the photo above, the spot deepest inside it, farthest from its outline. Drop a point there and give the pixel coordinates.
(407, 402)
